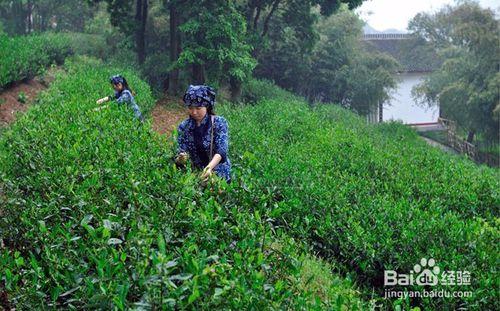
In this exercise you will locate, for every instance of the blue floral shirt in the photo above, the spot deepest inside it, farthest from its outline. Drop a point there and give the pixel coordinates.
(195, 140)
(125, 97)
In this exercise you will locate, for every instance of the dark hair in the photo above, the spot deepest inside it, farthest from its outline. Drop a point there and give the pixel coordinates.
(211, 110)
(120, 79)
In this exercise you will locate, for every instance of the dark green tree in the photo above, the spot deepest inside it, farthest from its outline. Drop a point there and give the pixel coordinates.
(260, 14)
(130, 16)
(467, 40)
(321, 58)
(14, 15)
(285, 40)
(343, 72)
(214, 45)
(26, 16)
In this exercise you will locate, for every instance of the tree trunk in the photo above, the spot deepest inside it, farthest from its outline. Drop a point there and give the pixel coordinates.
(145, 8)
(44, 20)
(175, 43)
(268, 18)
(198, 74)
(30, 16)
(19, 17)
(235, 87)
(470, 136)
(250, 13)
(256, 19)
(141, 17)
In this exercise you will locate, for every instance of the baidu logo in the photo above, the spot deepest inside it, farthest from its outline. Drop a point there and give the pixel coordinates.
(426, 272)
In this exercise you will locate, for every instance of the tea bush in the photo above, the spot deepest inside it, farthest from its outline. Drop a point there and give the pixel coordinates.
(88, 44)
(255, 90)
(371, 197)
(96, 215)
(24, 57)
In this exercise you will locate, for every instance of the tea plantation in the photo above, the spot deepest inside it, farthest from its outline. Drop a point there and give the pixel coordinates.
(26, 56)
(371, 198)
(94, 214)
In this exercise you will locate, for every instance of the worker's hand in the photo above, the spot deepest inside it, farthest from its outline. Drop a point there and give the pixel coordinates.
(102, 100)
(182, 158)
(207, 172)
(100, 108)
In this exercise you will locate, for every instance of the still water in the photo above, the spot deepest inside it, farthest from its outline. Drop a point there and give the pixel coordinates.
(402, 106)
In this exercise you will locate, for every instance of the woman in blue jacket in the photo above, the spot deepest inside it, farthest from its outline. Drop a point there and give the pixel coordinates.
(123, 95)
(203, 137)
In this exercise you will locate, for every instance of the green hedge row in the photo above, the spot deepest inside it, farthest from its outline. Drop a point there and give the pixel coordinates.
(26, 56)
(371, 197)
(95, 215)
(88, 44)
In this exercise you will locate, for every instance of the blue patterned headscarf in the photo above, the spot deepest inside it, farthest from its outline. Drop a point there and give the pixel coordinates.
(117, 79)
(199, 96)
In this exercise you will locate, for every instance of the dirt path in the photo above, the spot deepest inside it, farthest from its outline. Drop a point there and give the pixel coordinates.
(13, 101)
(439, 145)
(20, 95)
(167, 114)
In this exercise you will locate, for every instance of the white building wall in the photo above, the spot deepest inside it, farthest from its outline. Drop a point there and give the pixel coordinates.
(402, 106)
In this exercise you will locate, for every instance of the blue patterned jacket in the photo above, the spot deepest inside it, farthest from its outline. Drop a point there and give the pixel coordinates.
(199, 150)
(125, 97)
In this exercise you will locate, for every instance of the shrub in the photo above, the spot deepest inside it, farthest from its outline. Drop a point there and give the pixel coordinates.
(24, 57)
(95, 215)
(155, 70)
(21, 97)
(88, 44)
(254, 91)
(370, 197)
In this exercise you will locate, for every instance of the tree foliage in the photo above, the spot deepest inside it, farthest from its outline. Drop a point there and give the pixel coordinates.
(26, 16)
(225, 42)
(333, 67)
(465, 87)
(214, 36)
